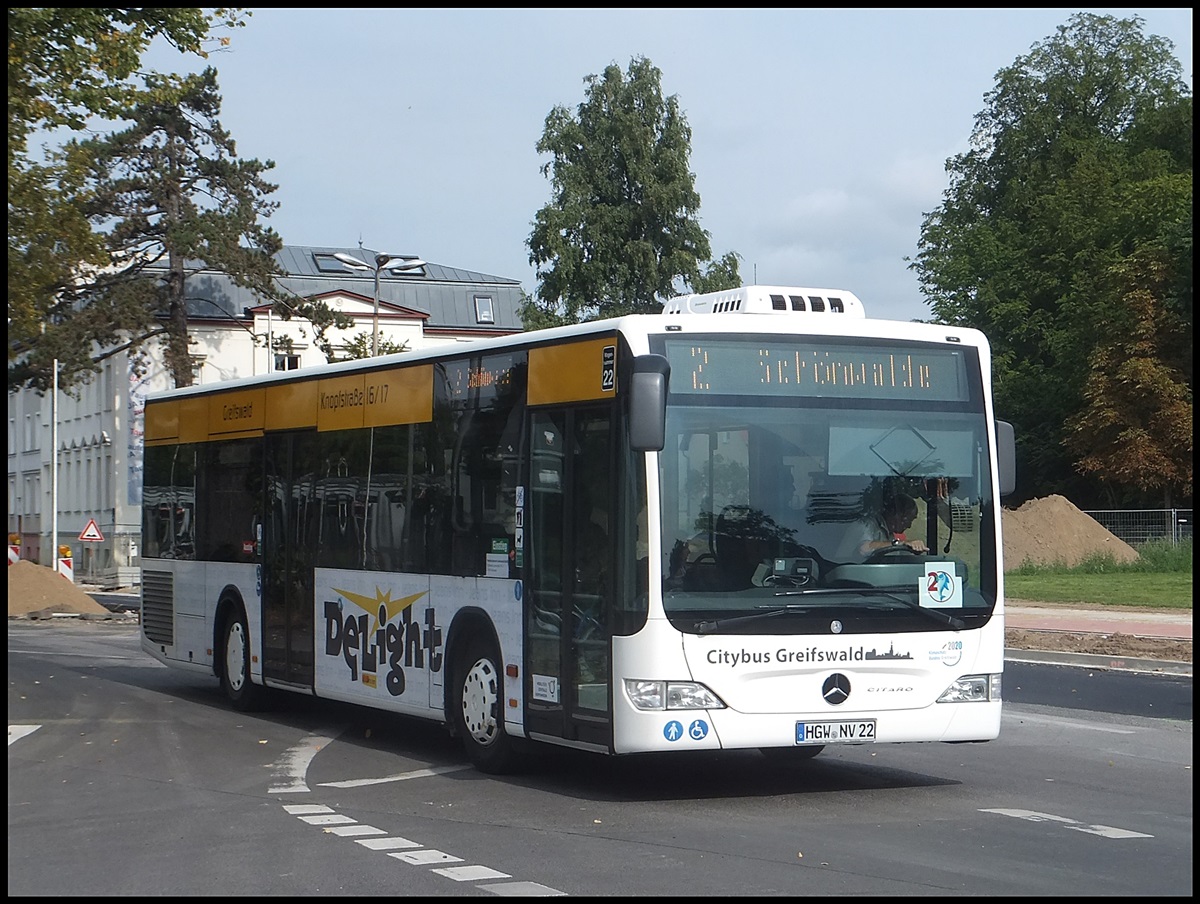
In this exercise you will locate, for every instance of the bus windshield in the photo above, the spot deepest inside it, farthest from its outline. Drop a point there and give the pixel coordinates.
(782, 498)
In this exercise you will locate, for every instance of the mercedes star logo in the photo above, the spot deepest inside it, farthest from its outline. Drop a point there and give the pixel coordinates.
(836, 689)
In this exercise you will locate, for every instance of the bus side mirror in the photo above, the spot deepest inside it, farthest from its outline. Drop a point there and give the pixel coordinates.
(1006, 457)
(648, 403)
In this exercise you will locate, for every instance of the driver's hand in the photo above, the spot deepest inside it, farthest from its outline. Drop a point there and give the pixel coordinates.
(917, 546)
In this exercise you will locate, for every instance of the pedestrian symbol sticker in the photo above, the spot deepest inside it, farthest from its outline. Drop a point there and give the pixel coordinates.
(673, 731)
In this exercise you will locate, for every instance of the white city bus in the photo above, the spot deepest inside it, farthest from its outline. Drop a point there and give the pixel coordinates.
(632, 535)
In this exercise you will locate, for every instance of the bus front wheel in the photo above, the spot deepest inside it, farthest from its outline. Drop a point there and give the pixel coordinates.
(242, 692)
(478, 708)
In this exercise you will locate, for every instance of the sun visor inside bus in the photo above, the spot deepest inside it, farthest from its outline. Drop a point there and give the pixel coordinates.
(648, 403)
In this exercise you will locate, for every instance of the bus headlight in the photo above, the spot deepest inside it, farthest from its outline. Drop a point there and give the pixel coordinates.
(651, 695)
(972, 689)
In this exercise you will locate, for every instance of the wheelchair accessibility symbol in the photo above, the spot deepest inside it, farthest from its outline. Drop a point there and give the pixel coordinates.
(697, 731)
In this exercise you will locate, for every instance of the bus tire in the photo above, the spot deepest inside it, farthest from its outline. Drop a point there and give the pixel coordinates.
(792, 754)
(478, 708)
(243, 693)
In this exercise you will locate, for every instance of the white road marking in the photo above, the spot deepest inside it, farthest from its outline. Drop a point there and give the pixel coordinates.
(524, 889)
(327, 819)
(292, 767)
(470, 873)
(415, 853)
(425, 856)
(306, 809)
(394, 843)
(16, 732)
(1074, 824)
(350, 831)
(403, 776)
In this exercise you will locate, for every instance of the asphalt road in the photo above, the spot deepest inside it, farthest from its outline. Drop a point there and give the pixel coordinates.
(128, 778)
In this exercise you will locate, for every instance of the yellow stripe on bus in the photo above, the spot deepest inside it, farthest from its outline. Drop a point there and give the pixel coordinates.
(340, 403)
(193, 419)
(403, 395)
(162, 421)
(242, 412)
(572, 372)
(400, 396)
(292, 406)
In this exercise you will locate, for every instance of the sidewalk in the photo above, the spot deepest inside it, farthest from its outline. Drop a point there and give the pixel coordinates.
(1173, 625)
(1168, 627)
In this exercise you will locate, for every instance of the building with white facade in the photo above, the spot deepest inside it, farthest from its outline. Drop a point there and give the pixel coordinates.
(94, 432)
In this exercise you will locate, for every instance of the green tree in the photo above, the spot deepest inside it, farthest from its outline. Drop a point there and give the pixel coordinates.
(67, 67)
(359, 346)
(169, 189)
(1065, 234)
(621, 233)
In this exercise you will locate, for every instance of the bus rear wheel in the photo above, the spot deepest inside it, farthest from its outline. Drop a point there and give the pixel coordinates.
(243, 693)
(478, 708)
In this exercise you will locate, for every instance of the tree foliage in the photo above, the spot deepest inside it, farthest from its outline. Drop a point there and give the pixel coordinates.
(621, 232)
(1065, 235)
(67, 67)
(167, 191)
(360, 346)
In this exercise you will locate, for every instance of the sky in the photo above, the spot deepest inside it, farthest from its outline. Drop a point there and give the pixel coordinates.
(819, 136)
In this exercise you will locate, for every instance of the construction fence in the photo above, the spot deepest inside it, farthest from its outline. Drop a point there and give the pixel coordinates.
(1136, 526)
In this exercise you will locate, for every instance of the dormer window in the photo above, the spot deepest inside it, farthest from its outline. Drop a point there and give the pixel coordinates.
(327, 263)
(483, 309)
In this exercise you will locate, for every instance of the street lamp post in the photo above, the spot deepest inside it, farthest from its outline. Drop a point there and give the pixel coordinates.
(382, 262)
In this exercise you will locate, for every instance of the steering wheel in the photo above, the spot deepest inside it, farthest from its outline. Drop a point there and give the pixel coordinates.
(898, 553)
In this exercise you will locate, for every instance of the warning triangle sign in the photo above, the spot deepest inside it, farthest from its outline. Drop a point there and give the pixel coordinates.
(91, 532)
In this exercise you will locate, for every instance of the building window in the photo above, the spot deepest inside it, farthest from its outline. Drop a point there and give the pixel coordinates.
(483, 309)
(287, 362)
(327, 263)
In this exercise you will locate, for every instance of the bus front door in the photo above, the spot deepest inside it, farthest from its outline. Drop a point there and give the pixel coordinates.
(568, 541)
(288, 559)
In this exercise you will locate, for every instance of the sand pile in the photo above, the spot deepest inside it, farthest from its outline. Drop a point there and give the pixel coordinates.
(32, 588)
(1051, 529)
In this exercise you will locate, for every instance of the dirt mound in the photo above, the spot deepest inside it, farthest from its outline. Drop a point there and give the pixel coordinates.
(1049, 530)
(32, 588)
(1126, 645)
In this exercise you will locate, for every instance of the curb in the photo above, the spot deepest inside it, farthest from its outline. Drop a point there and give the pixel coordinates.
(1101, 662)
(51, 614)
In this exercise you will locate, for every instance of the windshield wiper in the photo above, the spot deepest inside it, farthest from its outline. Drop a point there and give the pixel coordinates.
(707, 627)
(936, 615)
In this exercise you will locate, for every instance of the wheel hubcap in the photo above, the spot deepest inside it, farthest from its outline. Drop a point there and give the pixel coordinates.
(479, 697)
(235, 656)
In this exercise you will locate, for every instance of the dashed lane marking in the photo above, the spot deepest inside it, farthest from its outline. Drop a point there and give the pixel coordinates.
(414, 853)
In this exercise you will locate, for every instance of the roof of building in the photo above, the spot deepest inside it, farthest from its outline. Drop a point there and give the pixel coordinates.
(445, 294)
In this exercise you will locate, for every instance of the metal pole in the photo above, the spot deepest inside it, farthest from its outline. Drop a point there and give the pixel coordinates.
(54, 470)
(375, 329)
